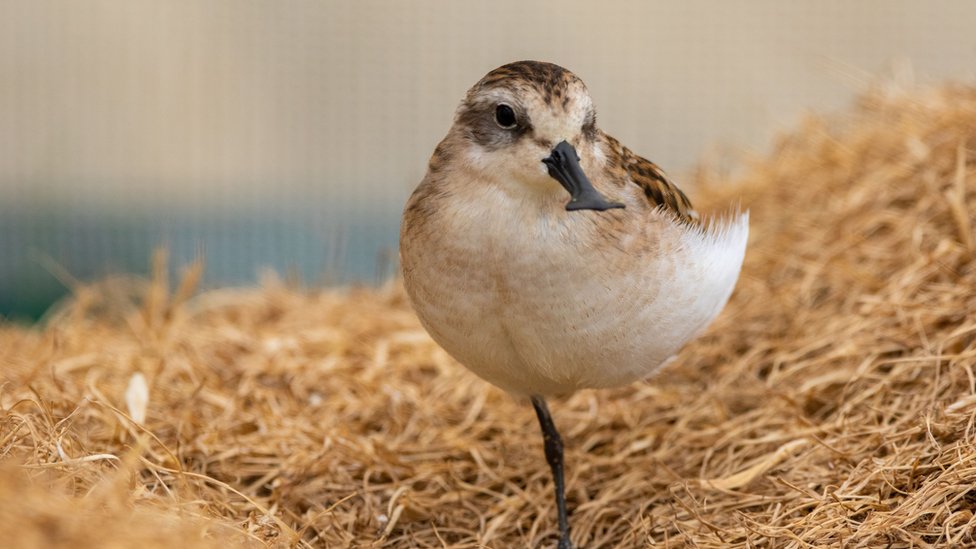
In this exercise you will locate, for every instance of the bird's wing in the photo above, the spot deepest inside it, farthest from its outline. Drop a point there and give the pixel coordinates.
(659, 190)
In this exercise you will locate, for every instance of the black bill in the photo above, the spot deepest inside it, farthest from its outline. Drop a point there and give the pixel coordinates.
(563, 165)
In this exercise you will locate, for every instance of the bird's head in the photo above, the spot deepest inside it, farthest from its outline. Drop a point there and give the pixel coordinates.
(529, 124)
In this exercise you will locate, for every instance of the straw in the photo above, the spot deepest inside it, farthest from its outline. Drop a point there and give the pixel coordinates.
(833, 402)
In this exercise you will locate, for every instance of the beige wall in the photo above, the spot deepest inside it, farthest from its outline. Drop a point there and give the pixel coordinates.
(138, 102)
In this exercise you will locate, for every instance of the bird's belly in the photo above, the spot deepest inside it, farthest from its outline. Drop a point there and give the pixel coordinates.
(536, 323)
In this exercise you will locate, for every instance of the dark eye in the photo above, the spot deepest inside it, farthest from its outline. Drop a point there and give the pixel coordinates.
(505, 116)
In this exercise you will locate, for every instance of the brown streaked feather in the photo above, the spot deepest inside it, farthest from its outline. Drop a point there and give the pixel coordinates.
(551, 81)
(659, 190)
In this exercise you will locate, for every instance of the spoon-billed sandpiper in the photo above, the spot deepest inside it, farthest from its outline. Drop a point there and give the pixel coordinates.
(541, 295)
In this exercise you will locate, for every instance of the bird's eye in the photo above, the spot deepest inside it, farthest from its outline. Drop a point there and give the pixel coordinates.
(505, 116)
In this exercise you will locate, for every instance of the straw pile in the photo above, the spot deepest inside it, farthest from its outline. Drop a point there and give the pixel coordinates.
(833, 403)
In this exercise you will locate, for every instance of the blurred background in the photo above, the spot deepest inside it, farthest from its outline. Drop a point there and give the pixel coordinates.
(288, 135)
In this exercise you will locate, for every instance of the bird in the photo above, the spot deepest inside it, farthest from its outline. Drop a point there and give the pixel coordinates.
(546, 257)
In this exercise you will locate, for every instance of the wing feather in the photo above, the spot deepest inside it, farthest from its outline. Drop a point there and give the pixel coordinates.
(657, 187)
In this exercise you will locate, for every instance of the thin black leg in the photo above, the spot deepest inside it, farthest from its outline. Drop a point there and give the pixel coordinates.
(554, 455)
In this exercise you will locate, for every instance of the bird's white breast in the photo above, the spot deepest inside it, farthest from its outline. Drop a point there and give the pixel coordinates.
(544, 301)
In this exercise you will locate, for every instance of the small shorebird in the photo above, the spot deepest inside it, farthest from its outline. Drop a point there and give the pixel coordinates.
(541, 295)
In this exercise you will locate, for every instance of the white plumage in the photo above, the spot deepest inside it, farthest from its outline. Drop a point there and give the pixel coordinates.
(534, 300)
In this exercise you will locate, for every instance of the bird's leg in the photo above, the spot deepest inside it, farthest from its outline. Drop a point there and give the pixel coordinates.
(554, 455)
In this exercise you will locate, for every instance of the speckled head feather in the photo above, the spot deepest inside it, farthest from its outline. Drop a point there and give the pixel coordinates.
(528, 87)
(553, 82)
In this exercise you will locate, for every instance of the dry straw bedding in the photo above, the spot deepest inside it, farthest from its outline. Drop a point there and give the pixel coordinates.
(832, 404)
